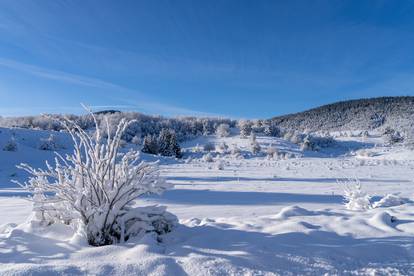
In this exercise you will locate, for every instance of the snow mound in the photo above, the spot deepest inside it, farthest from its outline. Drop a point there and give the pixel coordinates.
(390, 200)
(293, 211)
(383, 220)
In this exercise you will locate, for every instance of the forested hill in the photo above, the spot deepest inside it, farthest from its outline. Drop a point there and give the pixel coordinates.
(362, 114)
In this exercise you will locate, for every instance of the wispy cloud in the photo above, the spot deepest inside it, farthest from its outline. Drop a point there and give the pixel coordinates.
(132, 99)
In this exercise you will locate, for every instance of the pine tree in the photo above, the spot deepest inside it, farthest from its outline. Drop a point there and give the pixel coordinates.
(245, 128)
(150, 144)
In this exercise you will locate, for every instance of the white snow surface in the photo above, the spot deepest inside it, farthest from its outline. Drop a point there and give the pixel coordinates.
(253, 217)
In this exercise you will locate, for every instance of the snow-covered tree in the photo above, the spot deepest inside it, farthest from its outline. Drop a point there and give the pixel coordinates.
(270, 129)
(95, 187)
(223, 130)
(245, 128)
(167, 144)
(150, 144)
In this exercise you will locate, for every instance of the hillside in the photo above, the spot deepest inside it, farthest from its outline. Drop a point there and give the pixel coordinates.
(362, 114)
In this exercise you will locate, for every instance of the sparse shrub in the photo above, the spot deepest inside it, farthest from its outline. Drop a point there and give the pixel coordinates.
(11, 145)
(95, 188)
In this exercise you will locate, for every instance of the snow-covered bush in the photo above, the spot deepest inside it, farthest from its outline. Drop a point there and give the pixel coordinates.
(255, 148)
(223, 130)
(11, 145)
(209, 147)
(50, 143)
(392, 137)
(271, 152)
(355, 198)
(222, 148)
(220, 165)
(316, 143)
(197, 149)
(95, 187)
(208, 158)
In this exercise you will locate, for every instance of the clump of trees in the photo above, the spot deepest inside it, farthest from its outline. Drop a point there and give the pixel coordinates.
(165, 144)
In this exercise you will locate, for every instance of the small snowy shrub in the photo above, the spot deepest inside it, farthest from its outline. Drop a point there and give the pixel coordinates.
(271, 152)
(51, 143)
(209, 147)
(208, 158)
(197, 149)
(222, 148)
(355, 198)
(393, 137)
(220, 165)
(255, 148)
(11, 145)
(223, 130)
(95, 187)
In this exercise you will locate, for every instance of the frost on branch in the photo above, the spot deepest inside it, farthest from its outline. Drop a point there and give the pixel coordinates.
(95, 187)
(355, 198)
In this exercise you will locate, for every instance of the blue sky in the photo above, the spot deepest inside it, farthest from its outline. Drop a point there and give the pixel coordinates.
(244, 59)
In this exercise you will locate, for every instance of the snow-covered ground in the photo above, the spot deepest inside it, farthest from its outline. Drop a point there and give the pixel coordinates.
(253, 217)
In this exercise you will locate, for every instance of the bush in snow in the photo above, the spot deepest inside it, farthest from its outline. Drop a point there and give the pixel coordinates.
(316, 143)
(220, 165)
(255, 147)
(50, 143)
(222, 148)
(355, 198)
(392, 137)
(271, 152)
(11, 145)
(95, 188)
(208, 158)
(223, 130)
(209, 147)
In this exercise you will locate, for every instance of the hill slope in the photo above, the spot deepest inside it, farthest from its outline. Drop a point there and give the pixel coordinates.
(394, 112)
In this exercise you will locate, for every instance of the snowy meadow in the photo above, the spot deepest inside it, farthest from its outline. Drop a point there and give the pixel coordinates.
(204, 198)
